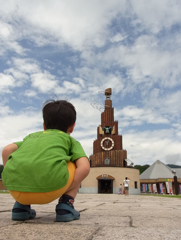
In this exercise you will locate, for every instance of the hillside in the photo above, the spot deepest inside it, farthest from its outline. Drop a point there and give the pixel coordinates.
(173, 166)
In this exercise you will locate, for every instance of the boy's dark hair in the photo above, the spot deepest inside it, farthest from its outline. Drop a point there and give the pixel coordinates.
(58, 115)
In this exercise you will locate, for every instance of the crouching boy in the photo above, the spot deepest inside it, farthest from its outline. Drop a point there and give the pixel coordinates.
(46, 165)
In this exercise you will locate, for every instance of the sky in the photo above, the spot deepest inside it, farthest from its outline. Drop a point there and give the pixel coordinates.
(74, 50)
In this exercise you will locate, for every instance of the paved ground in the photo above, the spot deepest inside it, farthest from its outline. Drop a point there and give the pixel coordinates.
(102, 217)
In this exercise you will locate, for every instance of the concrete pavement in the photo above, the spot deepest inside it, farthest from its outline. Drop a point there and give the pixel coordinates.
(103, 216)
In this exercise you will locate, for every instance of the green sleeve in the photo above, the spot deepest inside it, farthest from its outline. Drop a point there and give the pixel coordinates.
(77, 151)
(18, 143)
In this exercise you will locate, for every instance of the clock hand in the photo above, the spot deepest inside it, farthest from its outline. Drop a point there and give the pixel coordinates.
(107, 142)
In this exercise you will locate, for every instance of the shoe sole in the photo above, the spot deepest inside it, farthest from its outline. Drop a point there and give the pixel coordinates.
(22, 216)
(65, 218)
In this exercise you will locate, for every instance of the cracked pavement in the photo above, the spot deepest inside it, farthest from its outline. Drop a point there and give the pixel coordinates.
(103, 216)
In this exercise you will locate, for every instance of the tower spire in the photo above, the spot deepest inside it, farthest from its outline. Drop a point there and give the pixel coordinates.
(108, 93)
(108, 101)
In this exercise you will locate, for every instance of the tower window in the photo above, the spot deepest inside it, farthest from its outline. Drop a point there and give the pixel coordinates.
(135, 185)
(106, 161)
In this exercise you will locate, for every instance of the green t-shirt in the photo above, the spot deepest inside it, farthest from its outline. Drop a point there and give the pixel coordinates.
(40, 162)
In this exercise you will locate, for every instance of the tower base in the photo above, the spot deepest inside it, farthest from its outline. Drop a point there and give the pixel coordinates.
(103, 180)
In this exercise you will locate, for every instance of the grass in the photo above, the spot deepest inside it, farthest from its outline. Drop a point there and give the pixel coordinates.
(4, 191)
(153, 195)
(160, 195)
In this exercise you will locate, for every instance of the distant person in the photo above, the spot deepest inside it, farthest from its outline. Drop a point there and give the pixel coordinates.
(126, 185)
(120, 189)
(46, 165)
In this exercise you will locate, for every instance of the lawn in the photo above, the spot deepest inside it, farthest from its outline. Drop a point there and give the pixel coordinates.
(161, 195)
(5, 191)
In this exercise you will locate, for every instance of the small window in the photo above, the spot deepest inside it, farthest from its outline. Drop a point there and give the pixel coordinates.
(106, 161)
(135, 185)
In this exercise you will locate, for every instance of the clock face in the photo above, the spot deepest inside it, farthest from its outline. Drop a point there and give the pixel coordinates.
(107, 143)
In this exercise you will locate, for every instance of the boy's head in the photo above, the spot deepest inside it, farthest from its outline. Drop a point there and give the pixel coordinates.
(126, 178)
(59, 115)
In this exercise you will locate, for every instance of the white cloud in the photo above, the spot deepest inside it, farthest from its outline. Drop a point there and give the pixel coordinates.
(148, 146)
(6, 83)
(25, 65)
(44, 82)
(14, 46)
(74, 88)
(97, 80)
(79, 81)
(157, 15)
(92, 18)
(117, 38)
(143, 62)
(84, 47)
(88, 119)
(30, 93)
(49, 64)
(173, 158)
(167, 104)
(18, 125)
(15, 126)
(5, 110)
(5, 30)
(8, 39)
(132, 115)
(87, 116)
(20, 77)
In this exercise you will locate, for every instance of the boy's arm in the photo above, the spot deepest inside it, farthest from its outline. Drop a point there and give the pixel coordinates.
(7, 151)
(81, 171)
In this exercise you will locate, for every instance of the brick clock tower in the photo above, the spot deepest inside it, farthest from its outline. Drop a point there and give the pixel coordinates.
(107, 148)
(109, 160)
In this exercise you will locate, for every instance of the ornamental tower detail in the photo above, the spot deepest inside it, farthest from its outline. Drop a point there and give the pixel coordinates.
(107, 148)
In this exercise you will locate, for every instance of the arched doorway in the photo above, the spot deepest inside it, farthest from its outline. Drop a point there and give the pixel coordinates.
(105, 183)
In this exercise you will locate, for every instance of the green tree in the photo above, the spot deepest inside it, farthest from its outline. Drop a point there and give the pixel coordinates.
(173, 166)
(142, 168)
